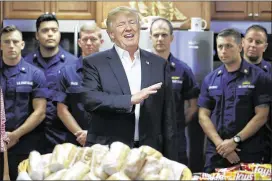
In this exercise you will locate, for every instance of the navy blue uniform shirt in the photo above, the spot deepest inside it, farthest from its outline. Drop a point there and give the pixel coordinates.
(21, 84)
(266, 66)
(184, 86)
(54, 128)
(70, 89)
(232, 98)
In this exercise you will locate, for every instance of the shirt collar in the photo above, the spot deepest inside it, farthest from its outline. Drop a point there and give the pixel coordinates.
(123, 53)
(244, 68)
(264, 65)
(20, 67)
(59, 56)
(172, 61)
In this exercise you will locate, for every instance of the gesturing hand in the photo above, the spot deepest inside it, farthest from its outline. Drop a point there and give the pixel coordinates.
(145, 93)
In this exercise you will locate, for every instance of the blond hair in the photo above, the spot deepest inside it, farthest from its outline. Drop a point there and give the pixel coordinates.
(121, 10)
(91, 27)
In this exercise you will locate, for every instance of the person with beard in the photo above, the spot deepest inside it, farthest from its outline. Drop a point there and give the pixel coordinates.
(254, 45)
(185, 88)
(50, 58)
(69, 107)
(233, 107)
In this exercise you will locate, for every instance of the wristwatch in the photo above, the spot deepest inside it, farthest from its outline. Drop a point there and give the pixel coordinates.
(237, 139)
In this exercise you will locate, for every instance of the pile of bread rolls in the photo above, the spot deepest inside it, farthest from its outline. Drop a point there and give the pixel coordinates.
(101, 162)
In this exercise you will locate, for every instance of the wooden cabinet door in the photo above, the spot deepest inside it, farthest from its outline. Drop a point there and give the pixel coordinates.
(262, 10)
(201, 9)
(194, 9)
(74, 10)
(25, 9)
(102, 9)
(229, 10)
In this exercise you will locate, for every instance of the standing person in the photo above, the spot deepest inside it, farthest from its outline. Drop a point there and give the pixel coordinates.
(184, 84)
(128, 90)
(50, 58)
(25, 92)
(254, 45)
(69, 107)
(234, 105)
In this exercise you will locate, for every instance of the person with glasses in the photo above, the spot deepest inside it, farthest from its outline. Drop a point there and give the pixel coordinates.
(69, 106)
(128, 91)
(50, 58)
(24, 90)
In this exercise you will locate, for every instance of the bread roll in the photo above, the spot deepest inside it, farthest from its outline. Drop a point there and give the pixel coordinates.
(166, 174)
(180, 171)
(57, 175)
(90, 176)
(152, 166)
(152, 177)
(98, 153)
(134, 163)
(151, 152)
(76, 172)
(85, 155)
(35, 167)
(62, 156)
(114, 160)
(118, 176)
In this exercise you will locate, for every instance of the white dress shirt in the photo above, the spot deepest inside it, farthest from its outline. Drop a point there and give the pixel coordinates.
(133, 72)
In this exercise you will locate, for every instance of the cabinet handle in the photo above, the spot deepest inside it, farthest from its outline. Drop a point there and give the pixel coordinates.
(256, 14)
(250, 14)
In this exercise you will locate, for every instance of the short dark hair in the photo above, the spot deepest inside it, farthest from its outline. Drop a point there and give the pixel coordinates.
(231, 32)
(45, 17)
(166, 21)
(258, 28)
(9, 29)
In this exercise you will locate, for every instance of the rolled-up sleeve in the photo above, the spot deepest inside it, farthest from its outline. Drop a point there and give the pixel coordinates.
(40, 89)
(190, 86)
(262, 91)
(204, 99)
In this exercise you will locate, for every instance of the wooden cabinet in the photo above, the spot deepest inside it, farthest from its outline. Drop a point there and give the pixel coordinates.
(242, 10)
(62, 9)
(74, 10)
(200, 9)
(25, 10)
(262, 10)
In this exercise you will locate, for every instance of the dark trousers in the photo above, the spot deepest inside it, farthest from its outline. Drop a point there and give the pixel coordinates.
(268, 144)
(14, 161)
(195, 137)
(182, 144)
(214, 160)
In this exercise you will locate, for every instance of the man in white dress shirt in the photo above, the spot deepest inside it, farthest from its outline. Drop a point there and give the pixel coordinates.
(128, 90)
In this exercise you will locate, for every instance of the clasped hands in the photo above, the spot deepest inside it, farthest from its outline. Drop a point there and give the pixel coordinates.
(228, 149)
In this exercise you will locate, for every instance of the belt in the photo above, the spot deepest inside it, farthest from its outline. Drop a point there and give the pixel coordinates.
(136, 144)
